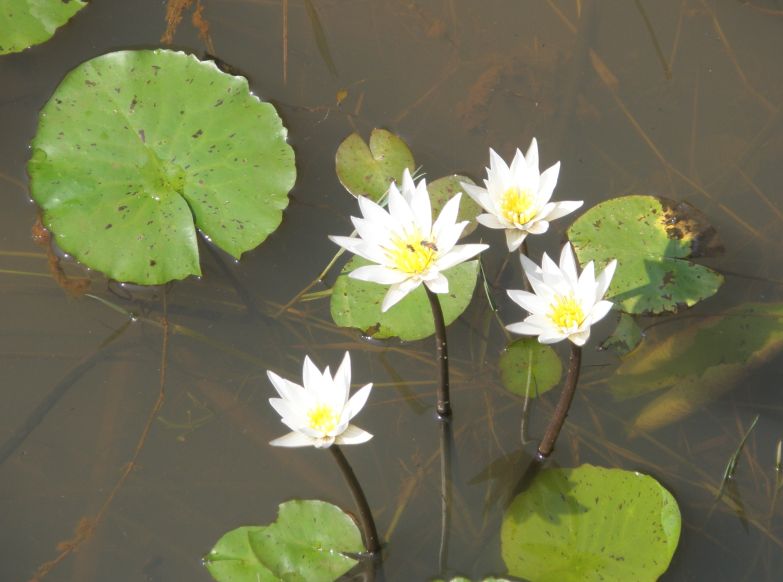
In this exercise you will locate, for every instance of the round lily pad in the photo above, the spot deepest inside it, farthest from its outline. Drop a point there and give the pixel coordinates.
(24, 23)
(357, 304)
(367, 170)
(307, 542)
(525, 362)
(591, 524)
(651, 238)
(137, 149)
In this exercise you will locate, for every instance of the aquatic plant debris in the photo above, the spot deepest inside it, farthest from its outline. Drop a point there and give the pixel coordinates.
(590, 524)
(651, 238)
(24, 23)
(308, 541)
(137, 149)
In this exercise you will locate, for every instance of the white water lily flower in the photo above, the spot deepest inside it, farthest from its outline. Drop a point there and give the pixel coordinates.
(564, 304)
(320, 412)
(407, 247)
(516, 198)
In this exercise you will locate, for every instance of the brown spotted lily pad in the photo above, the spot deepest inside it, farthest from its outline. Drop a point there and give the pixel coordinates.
(652, 239)
(138, 149)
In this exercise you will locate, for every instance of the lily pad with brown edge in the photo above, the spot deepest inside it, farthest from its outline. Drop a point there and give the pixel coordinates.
(527, 366)
(368, 169)
(590, 524)
(652, 239)
(138, 149)
(443, 189)
(24, 23)
(308, 541)
(357, 304)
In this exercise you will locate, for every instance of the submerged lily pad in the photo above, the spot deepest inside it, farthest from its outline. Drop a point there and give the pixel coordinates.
(698, 362)
(525, 362)
(357, 304)
(625, 337)
(367, 170)
(590, 524)
(134, 147)
(307, 542)
(24, 23)
(651, 238)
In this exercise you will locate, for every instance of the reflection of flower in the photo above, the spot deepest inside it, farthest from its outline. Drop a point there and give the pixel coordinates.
(319, 413)
(516, 198)
(407, 246)
(564, 304)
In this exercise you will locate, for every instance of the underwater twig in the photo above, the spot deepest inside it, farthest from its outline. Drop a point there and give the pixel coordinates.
(731, 466)
(371, 541)
(441, 350)
(547, 443)
(667, 72)
(445, 493)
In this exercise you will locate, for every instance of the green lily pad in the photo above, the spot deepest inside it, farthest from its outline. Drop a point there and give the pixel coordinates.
(24, 23)
(590, 524)
(443, 189)
(307, 542)
(651, 238)
(136, 146)
(625, 337)
(525, 362)
(368, 170)
(698, 362)
(357, 304)
(463, 579)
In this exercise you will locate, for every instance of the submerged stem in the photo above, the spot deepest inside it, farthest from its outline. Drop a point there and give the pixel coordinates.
(441, 349)
(445, 494)
(371, 541)
(561, 411)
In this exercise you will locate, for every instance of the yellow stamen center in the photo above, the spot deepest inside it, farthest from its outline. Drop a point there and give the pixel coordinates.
(322, 418)
(517, 206)
(412, 254)
(566, 312)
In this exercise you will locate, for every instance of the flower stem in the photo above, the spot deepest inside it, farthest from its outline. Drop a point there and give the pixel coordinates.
(441, 349)
(445, 493)
(561, 411)
(371, 541)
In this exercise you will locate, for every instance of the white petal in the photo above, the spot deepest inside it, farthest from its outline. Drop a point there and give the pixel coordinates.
(288, 390)
(293, 439)
(400, 210)
(491, 221)
(537, 227)
(420, 204)
(547, 182)
(532, 155)
(359, 247)
(378, 274)
(580, 338)
(290, 414)
(563, 208)
(496, 163)
(353, 435)
(394, 295)
(599, 311)
(311, 376)
(438, 284)
(448, 237)
(371, 232)
(342, 379)
(448, 216)
(459, 254)
(551, 338)
(524, 328)
(373, 212)
(356, 403)
(479, 194)
(529, 301)
(587, 282)
(605, 279)
(568, 264)
(514, 238)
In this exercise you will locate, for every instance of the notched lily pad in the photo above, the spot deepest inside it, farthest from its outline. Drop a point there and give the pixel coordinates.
(307, 542)
(24, 23)
(367, 170)
(137, 149)
(357, 304)
(590, 524)
(652, 239)
(525, 362)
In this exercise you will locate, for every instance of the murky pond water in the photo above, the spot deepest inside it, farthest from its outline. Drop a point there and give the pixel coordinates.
(676, 98)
